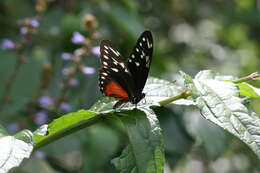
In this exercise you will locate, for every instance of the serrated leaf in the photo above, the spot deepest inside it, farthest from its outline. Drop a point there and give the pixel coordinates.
(157, 90)
(14, 149)
(64, 125)
(248, 90)
(188, 81)
(105, 104)
(146, 143)
(219, 102)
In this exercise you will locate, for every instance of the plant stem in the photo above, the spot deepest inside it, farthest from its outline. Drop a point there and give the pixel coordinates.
(253, 76)
(184, 94)
(69, 130)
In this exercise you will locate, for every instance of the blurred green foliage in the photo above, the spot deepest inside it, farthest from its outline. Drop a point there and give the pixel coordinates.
(189, 36)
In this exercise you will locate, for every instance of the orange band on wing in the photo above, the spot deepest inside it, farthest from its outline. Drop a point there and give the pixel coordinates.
(113, 89)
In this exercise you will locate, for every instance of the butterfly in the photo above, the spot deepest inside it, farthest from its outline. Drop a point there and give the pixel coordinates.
(124, 79)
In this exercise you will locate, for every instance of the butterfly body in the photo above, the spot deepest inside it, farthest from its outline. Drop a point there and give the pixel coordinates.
(123, 79)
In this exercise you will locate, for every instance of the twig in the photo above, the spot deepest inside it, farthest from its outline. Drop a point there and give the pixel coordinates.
(253, 76)
(184, 94)
(9, 81)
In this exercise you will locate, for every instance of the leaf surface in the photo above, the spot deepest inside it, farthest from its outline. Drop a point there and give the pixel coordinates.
(14, 149)
(146, 150)
(219, 102)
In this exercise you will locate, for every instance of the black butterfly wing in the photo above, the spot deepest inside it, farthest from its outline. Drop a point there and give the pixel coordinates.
(115, 79)
(140, 60)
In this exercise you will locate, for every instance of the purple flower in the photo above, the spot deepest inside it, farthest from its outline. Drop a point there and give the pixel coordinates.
(65, 107)
(34, 23)
(13, 127)
(41, 118)
(79, 52)
(95, 50)
(39, 154)
(73, 82)
(65, 71)
(45, 101)
(8, 44)
(68, 71)
(66, 56)
(87, 70)
(78, 38)
(24, 30)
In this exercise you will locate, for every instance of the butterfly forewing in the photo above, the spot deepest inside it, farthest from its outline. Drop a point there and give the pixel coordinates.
(115, 79)
(140, 60)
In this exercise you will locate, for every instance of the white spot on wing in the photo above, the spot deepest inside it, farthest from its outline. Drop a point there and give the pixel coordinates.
(114, 61)
(137, 63)
(143, 54)
(137, 50)
(114, 69)
(105, 63)
(105, 47)
(147, 58)
(147, 64)
(105, 74)
(105, 57)
(106, 51)
(130, 60)
(115, 52)
(148, 44)
(133, 56)
(143, 39)
(122, 64)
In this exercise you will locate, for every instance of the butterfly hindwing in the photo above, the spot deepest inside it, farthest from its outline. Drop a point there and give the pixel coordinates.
(140, 60)
(114, 76)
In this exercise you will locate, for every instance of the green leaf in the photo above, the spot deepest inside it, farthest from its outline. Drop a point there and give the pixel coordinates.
(105, 104)
(219, 102)
(14, 149)
(146, 150)
(126, 162)
(3, 131)
(63, 126)
(248, 90)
